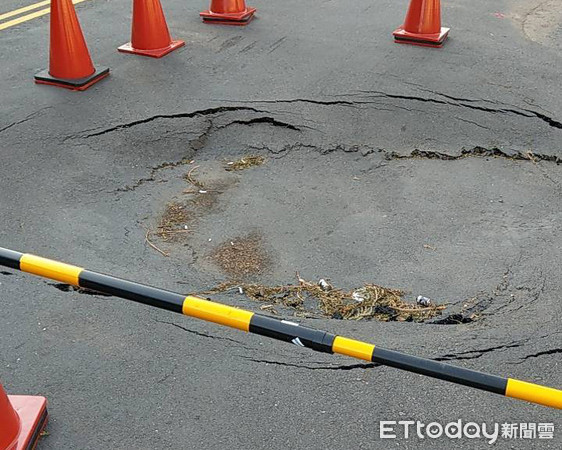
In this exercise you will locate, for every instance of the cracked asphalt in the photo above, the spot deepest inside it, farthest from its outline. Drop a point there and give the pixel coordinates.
(435, 171)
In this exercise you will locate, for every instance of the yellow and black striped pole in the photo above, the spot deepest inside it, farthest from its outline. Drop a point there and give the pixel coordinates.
(283, 330)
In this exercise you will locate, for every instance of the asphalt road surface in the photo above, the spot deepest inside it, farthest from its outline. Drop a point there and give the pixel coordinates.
(437, 171)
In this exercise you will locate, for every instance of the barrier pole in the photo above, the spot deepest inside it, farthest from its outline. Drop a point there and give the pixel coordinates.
(282, 330)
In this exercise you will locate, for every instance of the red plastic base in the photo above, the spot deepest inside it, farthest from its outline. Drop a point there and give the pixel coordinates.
(240, 19)
(155, 53)
(402, 36)
(32, 412)
(79, 84)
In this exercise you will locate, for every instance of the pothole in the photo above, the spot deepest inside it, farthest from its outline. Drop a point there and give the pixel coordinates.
(308, 299)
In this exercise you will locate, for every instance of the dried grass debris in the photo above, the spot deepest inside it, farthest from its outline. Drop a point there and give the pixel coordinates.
(245, 163)
(173, 222)
(369, 301)
(241, 257)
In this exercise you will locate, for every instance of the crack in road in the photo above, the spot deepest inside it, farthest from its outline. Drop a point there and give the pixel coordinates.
(25, 119)
(537, 355)
(270, 120)
(205, 335)
(151, 177)
(300, 366)
(329, 367)
(190, 115)
(267, 120)
(457, 102)
(521, 112)
(475, 354)
(481, 152)
(194, 144)
(464, 355)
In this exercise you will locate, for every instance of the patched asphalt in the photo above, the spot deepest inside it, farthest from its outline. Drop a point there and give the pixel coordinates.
(434, 171)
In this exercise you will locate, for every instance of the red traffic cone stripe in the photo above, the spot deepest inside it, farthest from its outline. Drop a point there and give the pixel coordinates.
(150, 35)
(228, 12)
(422, 25)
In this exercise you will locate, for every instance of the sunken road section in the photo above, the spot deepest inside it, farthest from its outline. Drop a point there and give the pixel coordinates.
(282, 330)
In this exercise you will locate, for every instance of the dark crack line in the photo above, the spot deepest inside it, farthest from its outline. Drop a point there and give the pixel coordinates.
(457, 101)
(167, 375)
(481, 100)
(25, 119)
(267, 120)
(546, 352)
(151, 177)
(331, 367)
(481, 152)
(522, 112)
(205, 335)
(305, 100)
(194, 144)
(198, 113)
(475, 354)
(471, 122)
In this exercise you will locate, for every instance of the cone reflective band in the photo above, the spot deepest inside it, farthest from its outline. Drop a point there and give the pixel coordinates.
(228, 12)
(149, 35)
(283, 330)
(70, 65)
(422, 25)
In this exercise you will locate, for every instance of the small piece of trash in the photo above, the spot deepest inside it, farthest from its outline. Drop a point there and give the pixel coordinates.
(324, 285)
(423, 301)
(201, 191)
(240, 290)
(185, 227)
(230, 163)
(209, 239)
(357, 297)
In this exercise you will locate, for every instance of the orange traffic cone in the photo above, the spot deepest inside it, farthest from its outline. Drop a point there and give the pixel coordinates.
(70, 65)
(150, 35)
(228, 12)
(422, 25)
(22, 418)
